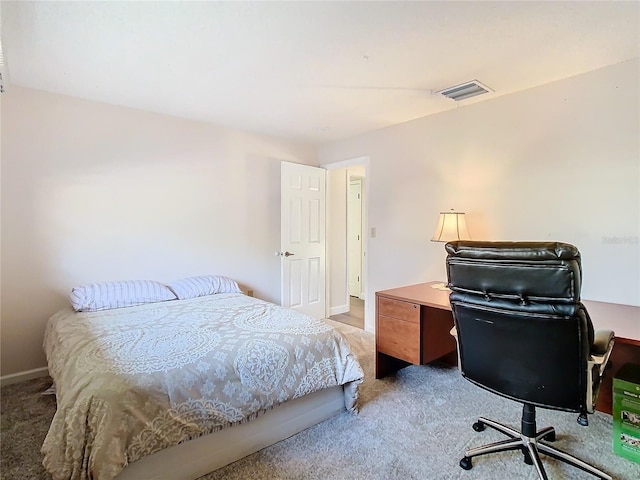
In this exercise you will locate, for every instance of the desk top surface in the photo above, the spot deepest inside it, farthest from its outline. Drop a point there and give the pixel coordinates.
(422, 293)
(624, 320)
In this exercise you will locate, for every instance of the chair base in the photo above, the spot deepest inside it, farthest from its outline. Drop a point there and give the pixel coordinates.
(530, 445)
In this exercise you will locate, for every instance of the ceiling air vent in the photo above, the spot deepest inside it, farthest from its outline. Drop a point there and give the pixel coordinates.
(466, 90)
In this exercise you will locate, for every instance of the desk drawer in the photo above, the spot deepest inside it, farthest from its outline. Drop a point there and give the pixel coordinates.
(399, 338)
(407, 311)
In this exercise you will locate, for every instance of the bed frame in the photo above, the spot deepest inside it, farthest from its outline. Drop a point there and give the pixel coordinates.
(197, 457)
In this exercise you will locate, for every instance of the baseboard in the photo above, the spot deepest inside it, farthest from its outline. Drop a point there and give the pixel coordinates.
(338, 310)
(23, 376)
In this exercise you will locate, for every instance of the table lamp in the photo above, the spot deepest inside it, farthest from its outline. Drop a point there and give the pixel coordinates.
(451, 226)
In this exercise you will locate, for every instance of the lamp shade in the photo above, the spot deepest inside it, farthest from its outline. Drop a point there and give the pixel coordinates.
(451, 226)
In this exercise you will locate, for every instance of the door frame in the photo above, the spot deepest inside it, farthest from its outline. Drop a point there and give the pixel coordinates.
(363, 160)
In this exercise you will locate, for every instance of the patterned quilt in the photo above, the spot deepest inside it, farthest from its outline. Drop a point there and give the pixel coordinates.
(132, 381)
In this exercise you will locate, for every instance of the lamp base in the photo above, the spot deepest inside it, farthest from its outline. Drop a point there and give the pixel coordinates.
(441, 286)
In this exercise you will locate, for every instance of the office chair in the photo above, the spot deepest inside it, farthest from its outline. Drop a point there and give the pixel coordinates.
(523, 333)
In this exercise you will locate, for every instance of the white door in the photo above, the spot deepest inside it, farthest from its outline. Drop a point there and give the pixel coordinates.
(302, 238)
(354, 236)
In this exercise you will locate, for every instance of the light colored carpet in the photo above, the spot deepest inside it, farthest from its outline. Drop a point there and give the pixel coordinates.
(417, 425)
(413, 425)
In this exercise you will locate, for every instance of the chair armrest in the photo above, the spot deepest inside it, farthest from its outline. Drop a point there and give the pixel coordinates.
(601, 342)
(454, 333)
(600, 353)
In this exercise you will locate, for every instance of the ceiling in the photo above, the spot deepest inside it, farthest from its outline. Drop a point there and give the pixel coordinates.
(308, 71)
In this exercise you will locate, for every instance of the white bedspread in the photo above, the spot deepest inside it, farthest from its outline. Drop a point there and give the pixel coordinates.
(132, 381)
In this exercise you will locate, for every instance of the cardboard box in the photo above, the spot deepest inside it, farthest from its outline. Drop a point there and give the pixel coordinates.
(626, 412)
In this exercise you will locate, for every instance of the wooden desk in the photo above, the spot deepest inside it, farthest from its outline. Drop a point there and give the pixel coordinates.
(413, 323)
(624, 350)
(412, 327)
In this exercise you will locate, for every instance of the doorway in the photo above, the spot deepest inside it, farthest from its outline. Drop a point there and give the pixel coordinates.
(347, 227)
(354, 236)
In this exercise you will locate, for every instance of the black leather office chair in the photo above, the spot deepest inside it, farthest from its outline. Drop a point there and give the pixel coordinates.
(523, 333)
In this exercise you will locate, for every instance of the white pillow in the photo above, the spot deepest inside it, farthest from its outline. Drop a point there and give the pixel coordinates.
(104, 296)
(192, 287)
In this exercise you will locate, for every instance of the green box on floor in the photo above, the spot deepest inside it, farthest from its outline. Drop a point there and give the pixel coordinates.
(626, 412)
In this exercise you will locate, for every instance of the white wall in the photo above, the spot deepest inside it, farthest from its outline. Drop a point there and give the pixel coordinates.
(92, 192)
(558, 162)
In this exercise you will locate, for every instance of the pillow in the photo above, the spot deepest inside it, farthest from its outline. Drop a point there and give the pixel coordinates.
(104, 296)
(192, 287)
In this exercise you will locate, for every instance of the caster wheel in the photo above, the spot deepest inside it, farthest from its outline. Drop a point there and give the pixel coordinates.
(583, 420)
(479, 426)
(465, 463)
(527, 457)
(550, 437)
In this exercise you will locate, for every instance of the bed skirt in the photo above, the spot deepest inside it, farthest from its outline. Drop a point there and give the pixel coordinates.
(197, 457)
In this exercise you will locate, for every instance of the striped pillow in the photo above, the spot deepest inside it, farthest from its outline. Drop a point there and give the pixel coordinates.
(192, 287)
(108, 295)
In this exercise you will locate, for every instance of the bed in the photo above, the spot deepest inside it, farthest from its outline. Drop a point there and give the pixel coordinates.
(176, 389)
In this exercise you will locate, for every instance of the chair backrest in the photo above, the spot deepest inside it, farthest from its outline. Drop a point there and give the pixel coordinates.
(522, 331)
